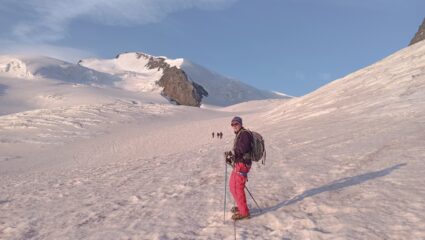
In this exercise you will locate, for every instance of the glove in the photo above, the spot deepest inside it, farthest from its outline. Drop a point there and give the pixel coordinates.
(229, 157)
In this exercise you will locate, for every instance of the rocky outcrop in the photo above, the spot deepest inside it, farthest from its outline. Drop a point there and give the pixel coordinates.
(420, 35)
(179, 89)
(157, 62)
(177, 86)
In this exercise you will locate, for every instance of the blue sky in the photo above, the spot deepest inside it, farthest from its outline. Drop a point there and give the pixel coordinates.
(291, 46)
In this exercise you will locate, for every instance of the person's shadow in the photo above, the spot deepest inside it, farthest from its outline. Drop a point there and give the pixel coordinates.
(335, 185)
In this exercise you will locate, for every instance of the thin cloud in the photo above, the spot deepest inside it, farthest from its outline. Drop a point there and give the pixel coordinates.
(47, 20)
(39, 49)
(365, 4)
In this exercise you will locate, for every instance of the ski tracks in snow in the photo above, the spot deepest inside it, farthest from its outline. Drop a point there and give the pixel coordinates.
(319, 182)
(61, 125)
(160, 197)
(138, 198)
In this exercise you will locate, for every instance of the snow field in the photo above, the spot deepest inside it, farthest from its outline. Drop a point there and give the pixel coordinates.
(344, 162)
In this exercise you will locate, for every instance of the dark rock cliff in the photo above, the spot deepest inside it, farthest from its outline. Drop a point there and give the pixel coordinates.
(179, 89)
(420, 35)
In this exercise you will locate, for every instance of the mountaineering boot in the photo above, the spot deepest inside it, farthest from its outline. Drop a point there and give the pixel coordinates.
(237, 216)
(234, 210)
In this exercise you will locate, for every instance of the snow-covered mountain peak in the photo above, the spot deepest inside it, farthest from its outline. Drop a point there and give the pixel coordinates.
(132, 61)
(42, 67)
(12, 66)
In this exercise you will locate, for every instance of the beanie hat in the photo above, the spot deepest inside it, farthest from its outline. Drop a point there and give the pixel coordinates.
(237, 120)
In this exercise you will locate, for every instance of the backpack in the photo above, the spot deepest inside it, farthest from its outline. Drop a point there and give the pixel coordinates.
(258, 151)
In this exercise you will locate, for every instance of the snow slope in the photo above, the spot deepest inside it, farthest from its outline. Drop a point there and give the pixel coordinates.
(136, 76)
(344, 162)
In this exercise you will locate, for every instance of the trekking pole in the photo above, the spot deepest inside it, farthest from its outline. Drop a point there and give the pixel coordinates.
(261, 210)
(225, 192)
(234, 228)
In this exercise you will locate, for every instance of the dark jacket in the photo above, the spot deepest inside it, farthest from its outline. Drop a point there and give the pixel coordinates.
(242, 146)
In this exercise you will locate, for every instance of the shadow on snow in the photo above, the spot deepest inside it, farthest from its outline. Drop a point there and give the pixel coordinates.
(2, 89)
(333, 186)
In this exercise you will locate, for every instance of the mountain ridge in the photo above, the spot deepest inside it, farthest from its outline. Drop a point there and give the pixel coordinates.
(219, 90)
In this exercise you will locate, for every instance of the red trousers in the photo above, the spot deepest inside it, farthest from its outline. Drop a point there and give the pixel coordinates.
(237, 186)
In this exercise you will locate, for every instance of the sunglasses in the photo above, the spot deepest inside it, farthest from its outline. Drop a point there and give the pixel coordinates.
(234, 124)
